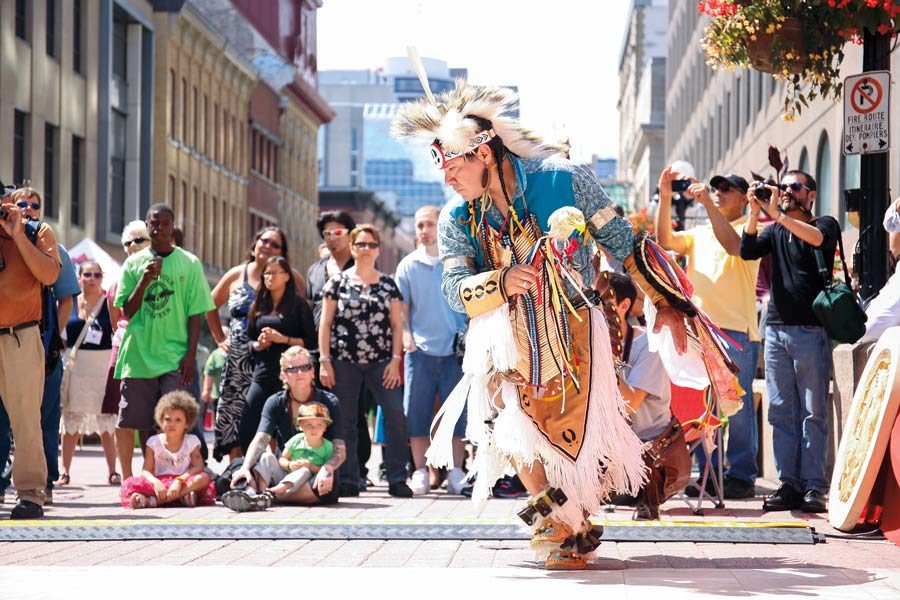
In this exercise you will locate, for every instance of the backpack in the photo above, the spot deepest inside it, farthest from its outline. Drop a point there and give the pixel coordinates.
(53, 348)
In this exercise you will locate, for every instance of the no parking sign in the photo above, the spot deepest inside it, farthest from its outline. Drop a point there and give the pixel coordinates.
(867, 113)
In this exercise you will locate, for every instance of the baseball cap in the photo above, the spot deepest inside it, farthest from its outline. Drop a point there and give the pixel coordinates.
(732, 179)
(6, 190)
(313, 410)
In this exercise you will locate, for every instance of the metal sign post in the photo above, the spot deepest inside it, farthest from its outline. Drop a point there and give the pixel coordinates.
(873, 247)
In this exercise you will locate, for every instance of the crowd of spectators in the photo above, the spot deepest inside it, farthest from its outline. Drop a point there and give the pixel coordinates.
(303, 362)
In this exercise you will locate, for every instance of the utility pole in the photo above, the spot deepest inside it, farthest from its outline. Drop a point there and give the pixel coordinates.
(875, 188)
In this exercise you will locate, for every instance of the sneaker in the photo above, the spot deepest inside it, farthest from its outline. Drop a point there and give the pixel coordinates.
(401, 490)
(813, 502)
(241, 501)
(738, 489)
(456, 480)
(509, 487)
(784, 498)
(27, 509)
(420, 484)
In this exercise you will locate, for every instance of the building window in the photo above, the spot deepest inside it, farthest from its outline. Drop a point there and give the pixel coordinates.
(76, 35)
(803, 163)
(825, 200)
(215, 147)
(120, 46)
(196, 116)
(22, 19)
(75, 210)
(204, 130)
(181, 205)
(51, 28)
(51, 169)
(192, 224)
(184, 110)
(20, 147)
(118, 135)
(170, 112)
(170, 192)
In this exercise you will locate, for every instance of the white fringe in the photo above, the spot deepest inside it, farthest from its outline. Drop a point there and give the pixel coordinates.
(609, 440)
(490, 345)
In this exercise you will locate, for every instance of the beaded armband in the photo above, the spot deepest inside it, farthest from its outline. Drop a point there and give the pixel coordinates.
(483, 292)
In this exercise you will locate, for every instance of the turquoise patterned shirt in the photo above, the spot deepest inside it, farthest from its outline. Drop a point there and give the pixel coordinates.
(544, 185)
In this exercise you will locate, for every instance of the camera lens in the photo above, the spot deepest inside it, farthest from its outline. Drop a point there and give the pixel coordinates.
(3, 214)
(762, 193)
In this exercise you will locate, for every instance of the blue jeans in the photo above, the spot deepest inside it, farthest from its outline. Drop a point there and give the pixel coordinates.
(50, 414)
(743, 433)
(350, 379)
(798, 367)
(428, 376)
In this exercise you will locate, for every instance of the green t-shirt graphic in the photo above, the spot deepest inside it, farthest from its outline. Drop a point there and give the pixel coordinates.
(298, 449)
(156, 338)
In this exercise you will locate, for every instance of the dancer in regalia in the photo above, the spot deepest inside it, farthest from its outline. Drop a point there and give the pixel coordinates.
(540, 379)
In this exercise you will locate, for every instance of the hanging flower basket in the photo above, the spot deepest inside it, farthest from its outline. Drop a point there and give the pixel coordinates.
(789, 39)
(801, 42)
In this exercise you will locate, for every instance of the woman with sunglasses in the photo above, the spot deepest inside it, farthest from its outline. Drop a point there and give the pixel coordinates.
(238, 288)
(135, 238)
(360, 340)
(278, 319)
(83, 401)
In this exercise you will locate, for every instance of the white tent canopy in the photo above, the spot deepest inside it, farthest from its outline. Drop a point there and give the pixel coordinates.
(86, 250)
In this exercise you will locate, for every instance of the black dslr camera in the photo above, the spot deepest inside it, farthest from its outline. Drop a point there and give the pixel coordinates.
(760, 191)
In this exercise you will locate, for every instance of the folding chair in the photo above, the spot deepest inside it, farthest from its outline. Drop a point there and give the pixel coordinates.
(699, 415)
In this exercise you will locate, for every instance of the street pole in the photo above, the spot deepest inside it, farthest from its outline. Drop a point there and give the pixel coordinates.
(874, 183)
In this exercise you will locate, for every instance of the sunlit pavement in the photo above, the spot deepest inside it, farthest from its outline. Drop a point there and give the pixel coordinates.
(841, 568)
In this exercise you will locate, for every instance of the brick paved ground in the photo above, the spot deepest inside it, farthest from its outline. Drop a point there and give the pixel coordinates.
(841, 568)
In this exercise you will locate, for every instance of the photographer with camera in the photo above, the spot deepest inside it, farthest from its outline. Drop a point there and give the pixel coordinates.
(57, 304)
(725, 288)
(25, 267)
(797, 348)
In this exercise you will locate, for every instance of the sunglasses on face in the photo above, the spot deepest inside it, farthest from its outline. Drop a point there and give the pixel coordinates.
(794, 187)
(25, 205)
(305, 368)
(339, 232)
(724, 189)
(138, 240)
(366, 245)
(272, 273)
(92, 275)
(270, 243)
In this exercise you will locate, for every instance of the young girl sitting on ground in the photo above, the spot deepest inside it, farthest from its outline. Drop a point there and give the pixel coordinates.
(173, 468)
(307, 451)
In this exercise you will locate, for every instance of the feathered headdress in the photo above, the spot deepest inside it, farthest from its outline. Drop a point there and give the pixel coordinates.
(446, 121)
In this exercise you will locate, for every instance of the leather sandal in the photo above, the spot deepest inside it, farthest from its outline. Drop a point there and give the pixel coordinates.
(64, 479)
(113, 479)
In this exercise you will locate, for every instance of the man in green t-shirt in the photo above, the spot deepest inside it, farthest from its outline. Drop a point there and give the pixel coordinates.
(162, 292)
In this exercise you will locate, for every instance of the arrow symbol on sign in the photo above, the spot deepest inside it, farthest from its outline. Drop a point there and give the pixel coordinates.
(849, 147)
(882, 143)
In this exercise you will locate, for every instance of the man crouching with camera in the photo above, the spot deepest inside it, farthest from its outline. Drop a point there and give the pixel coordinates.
(797, 348)
(29, 259)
